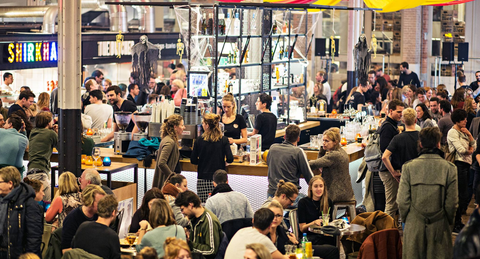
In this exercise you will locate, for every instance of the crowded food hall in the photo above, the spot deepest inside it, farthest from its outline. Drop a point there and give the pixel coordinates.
(232, 129)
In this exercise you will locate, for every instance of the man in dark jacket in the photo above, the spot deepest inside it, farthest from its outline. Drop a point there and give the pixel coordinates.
(21, 220)
(467, 243)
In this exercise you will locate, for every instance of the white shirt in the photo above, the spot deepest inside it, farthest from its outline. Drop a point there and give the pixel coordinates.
(6, 87)
(243, 237)
(327, 91)
(100, 114)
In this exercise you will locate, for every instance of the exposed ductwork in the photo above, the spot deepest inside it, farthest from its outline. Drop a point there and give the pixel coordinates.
(23, 11)
(149, 20)
(49, 20)
(141, 16)
(118, 17)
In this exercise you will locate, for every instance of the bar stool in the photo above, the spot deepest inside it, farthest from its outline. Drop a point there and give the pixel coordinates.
(349, 205)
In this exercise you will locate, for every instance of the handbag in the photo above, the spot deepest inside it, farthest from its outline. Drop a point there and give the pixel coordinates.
(450, 157)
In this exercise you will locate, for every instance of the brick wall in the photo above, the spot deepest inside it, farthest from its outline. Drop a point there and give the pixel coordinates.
(424, 49)
(411, 35)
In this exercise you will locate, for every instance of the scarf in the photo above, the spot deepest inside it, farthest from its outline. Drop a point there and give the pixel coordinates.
(170, 189)
(223, 187)
(4, 201)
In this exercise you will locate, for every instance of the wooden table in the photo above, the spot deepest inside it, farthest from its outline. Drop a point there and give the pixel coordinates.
(115, 167)
(302, 126)
(353, 229)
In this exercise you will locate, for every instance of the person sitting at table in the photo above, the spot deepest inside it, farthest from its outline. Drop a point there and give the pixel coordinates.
(148, 253)
(281, 236)
(91, 195)
(175, 249)
(265, 122)
(334, 161)
(175, 185)
(91, 176)
(256, 251)
(163, 224)
(286, 195)
(68, 198)
(168, 155)
(96, 237)
(210, 152)
(13, 143)
(43, 138)
(144, 211)
(235, 125)
(312, 208)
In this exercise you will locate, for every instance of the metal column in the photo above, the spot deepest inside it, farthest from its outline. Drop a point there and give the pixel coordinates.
(69, 77)
(355, 23)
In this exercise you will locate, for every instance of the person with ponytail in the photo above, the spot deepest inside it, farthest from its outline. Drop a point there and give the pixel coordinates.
(168, 155)
(209, 153)
(235, 125)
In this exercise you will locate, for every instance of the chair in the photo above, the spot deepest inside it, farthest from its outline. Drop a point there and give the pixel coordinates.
(230, 227)
(222, 248)
(293, 217)
(382, 244)
(54, 250)
(118, 222)
(78, 253)
(349, 205)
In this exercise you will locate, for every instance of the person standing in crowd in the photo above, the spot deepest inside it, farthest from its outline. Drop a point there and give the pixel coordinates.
(175, 249)
(421, 97)
(311, 209)
(38, 188)
(445, 123)
(43, 138)
(287, 162)
(387, 131)
(427, 198)
(13, 143)
(101, 113)
(424, 119)
(209, 153)
(407, 76)
(324, 86)
(6, 86)
(384, 88)
(466, 244)
(91, 195)
(43, 102)
(443, 96)
(106, 83)
(379, 73)
(462, 81)
(114, 95)
(475, 84)
(146, 91)
(163, 223)
(69, 198)
(21, 220)
(90, 85)
(458, 99)
(235, 125)
(25, 99)
(168, 155)
(262, 222)
(334, 161)
(206, 230)
(91, 176)
(471, 108)
(133, 92)
(144, 212)
(435, 109)
(180, 92)
(225, 203)
(462, 143)
(265, 122)
(96, 237)
(409, 95)
(98, 76)
(401, 149)
(358, 98)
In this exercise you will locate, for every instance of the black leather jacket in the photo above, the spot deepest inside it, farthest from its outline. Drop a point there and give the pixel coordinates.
(25, 224)
(467, 243)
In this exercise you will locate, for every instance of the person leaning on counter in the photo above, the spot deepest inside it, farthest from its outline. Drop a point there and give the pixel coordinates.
(235, 125)
(265, 122)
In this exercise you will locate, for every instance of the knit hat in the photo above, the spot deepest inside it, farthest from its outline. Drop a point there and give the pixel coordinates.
(170, 189)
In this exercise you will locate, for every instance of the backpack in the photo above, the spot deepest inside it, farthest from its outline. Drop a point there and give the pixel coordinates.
(373, 153)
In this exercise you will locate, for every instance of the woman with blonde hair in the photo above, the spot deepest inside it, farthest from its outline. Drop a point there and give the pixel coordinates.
(163, 223)
(210, 151)
(68, 197)
(43, 102)
(235, 125)
(408, 92)
(168, 155)
(334, 161)
(176, 249)
(179, 91)
(471, 108)
(257, 251)
(311, 209)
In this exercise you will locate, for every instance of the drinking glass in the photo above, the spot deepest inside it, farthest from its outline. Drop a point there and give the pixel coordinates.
(96, 155)
(131, 238)
(313, 141)
(325, 219)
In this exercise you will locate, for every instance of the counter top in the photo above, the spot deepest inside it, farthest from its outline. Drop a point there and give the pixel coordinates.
(302, 126)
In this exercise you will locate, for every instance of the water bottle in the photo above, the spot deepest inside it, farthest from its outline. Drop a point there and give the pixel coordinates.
(304, 241)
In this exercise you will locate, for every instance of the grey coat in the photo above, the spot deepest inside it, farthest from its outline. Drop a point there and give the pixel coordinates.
(167, 159)
(428, 193)
(335, 173)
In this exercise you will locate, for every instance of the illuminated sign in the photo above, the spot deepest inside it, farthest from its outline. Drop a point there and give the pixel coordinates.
(25, 52)
(113, 48)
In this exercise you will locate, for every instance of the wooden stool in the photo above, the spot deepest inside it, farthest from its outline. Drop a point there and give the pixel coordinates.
(349, 205)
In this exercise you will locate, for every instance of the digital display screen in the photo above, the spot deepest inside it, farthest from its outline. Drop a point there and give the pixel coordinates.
(198, 83)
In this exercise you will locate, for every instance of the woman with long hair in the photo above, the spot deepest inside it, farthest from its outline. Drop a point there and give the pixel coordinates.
(471, 108)
(458, 99)
(210, 151)
(311, 209)
(67, 199)
(144, 212)
(334, 161)
(168, 155)
(424, 119)
(409, 97)
(257, 251)
(176, 249)
(235, 125)
(164, 226)
(43, 102)
(384, 87)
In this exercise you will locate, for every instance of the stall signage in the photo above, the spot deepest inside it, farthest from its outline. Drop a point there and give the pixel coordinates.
(29, 52)
(112, 48)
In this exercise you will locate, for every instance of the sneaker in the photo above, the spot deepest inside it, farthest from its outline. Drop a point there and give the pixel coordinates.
(457, 229)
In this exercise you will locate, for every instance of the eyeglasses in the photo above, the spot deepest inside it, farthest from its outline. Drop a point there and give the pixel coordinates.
(278, 216)
(291, 200)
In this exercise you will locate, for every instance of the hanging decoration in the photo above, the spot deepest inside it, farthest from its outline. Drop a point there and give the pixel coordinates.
(373, 45)
(332, 38)
(180, 49)
(119, 43)
(362, 57)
